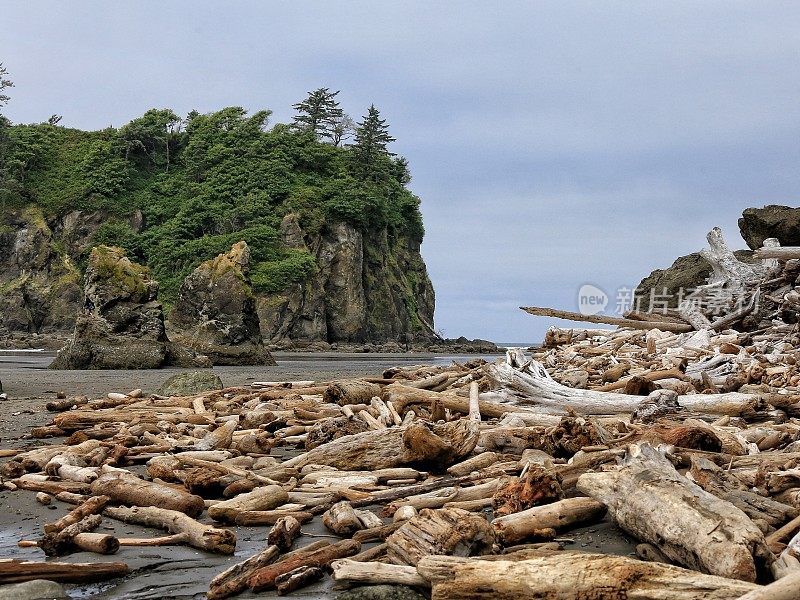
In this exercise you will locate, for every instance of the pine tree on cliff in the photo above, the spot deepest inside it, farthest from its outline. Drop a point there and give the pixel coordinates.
(319, 114)
(369, 153)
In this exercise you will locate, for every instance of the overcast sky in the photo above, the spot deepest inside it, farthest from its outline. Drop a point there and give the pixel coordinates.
(552, 143)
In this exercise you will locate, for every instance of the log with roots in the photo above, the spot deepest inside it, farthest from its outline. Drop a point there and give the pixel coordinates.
(727, 270)
(649, 499)
(197, 535)
(531, 387)
(438, 445)
(571, 576)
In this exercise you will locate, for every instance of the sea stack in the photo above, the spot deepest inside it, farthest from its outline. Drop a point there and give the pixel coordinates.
(216, 311)
(122, 323)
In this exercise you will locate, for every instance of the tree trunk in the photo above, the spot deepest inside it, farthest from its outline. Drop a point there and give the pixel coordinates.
(571, 576)
(513, 528)
(441, 445)
(133, 491)
(198, 535)
(16, 571)
(649, 499)
(442, 531)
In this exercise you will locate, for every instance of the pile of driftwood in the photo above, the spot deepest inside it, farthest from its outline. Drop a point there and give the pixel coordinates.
(465, 480)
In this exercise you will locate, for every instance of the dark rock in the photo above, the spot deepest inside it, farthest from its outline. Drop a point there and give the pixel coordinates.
(782, 222)
(367, 287)
(190, 382)
(665, 285)
(37, 589)
(381, 592)
(122, 324)
(216, 311)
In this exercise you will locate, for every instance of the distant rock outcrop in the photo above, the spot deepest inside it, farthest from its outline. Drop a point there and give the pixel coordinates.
(216, 311)
(782, 222)
(122, 326)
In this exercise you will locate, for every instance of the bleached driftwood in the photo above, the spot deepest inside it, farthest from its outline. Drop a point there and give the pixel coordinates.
(537, 390)
(652, 501)
(442, 443)
(571, 576)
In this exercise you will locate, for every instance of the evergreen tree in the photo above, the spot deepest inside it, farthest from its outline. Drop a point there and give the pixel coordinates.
(371, 159)
(4, 84)
(319, 114)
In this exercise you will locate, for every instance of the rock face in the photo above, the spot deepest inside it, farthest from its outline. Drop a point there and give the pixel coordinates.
(216, 311)
(367, 288)
(40, 284)
(122, 323)
(782, 222)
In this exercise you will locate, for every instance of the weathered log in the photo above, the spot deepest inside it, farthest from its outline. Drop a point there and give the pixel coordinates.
(440, 531)
(342, 519)
(541, 393)
(198, 535)
(233, 580)
(442, 444)
(606, 320)
(571, 576)
(91, 506)
(262, 498)
(284, 532)
(513, 528)
(99, 543)
(351, 392)
(785, 588)
(649, 499)
(475, 463)
(376, 573)
(133, 491)
(60, 542)
(264, 578)
(297, 578)
(16, 571)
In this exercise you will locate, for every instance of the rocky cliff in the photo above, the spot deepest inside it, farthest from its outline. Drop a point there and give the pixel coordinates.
(365, 287)
(333, 231)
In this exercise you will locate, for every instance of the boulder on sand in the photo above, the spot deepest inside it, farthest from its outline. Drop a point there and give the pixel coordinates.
(187, 383)
(216, 311)
(122, 326)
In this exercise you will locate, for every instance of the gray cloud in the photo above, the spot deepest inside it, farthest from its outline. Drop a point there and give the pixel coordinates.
(552, 143)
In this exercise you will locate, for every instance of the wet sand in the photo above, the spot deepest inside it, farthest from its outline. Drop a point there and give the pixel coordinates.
(180, 571)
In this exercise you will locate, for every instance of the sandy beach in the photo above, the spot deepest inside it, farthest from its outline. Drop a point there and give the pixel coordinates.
(179, 571)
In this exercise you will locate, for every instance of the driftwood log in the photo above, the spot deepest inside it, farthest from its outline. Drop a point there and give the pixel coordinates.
(16, 571)
(571, 576)
(439, 531)
(133, 491)
(648, 498)
(439, 444)
(196, 534)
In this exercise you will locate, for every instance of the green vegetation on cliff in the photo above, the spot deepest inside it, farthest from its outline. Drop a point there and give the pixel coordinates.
(204, 182)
